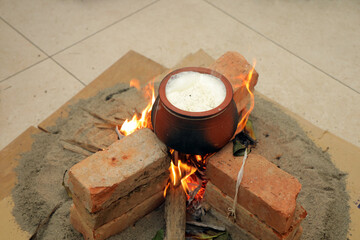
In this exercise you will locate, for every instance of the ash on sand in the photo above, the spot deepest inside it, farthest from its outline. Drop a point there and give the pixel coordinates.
(280, 140)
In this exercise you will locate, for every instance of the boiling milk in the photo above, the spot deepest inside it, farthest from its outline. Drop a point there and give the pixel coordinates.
(195, 92)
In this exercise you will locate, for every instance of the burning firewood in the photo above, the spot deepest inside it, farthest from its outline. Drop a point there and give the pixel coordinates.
(175, 213)
(175, 204)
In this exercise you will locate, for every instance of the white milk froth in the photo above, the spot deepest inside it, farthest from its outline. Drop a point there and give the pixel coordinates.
(195, 92)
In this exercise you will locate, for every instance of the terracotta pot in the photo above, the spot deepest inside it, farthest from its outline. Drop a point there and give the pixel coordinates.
(194, 132)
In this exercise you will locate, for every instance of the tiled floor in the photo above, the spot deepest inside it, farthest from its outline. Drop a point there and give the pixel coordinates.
(307, 52)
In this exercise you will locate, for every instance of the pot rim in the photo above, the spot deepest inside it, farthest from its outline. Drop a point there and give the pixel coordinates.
(214, 111)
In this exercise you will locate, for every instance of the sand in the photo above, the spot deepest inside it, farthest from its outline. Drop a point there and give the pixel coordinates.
(280, 139)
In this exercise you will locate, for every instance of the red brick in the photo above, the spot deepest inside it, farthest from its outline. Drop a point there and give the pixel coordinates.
(248, 221)
(236, 69)
(266, 191)
(118, 224)
(298, 233)
(108, 175)
(122, 205)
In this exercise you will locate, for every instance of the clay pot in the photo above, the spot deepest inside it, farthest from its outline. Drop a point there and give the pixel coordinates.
(194, 132)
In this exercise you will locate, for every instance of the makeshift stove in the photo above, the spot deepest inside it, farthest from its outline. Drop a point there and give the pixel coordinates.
(187, 158)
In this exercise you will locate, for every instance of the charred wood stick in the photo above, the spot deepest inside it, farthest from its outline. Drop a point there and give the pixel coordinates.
(176, 157)
(175, 213)
(108, 97)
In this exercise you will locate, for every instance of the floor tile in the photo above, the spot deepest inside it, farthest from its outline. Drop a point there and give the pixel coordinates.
(167, 38)
(324, 33)
(27, 98)
(16, 53)
(54, 25)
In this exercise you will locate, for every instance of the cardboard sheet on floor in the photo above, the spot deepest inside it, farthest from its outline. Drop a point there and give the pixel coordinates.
(133, 65)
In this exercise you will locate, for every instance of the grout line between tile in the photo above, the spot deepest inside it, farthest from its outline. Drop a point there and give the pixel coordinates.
(282, 47)
(106, 27)
(127, 16)
(24, 69)
(21, 34)
(24, 36)
(51, 56)
(47, 56)
(68, 71)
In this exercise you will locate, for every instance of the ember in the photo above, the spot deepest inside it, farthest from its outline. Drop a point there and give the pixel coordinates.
(189, 173)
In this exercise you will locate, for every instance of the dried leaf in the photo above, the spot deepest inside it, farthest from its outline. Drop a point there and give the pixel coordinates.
(206, 226)
(238, 148)
(244, 140)
(249, 129)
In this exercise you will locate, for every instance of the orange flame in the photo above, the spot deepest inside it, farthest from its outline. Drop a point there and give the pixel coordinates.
(183, 173)
(173, 173)
(188, 170)
(135, 83)
(241, 125)
(166, 188)
(179, 174)
(198, 158)
(130, 126)
(192, 183)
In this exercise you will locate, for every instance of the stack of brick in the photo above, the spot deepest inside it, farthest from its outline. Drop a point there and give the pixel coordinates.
(115, 187)
(266, 206)
(236, 69)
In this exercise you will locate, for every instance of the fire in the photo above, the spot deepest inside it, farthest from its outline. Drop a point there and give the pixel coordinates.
(241, 125)
(135, 83)
(166, 188)
(179, 173)
(143, 121)
(183, 174)
(174, 174)
(187, 171)
(195, 187)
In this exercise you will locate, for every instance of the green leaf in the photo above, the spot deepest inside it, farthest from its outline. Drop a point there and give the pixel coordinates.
(208, 236)
(159, 235)
(225, 236)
